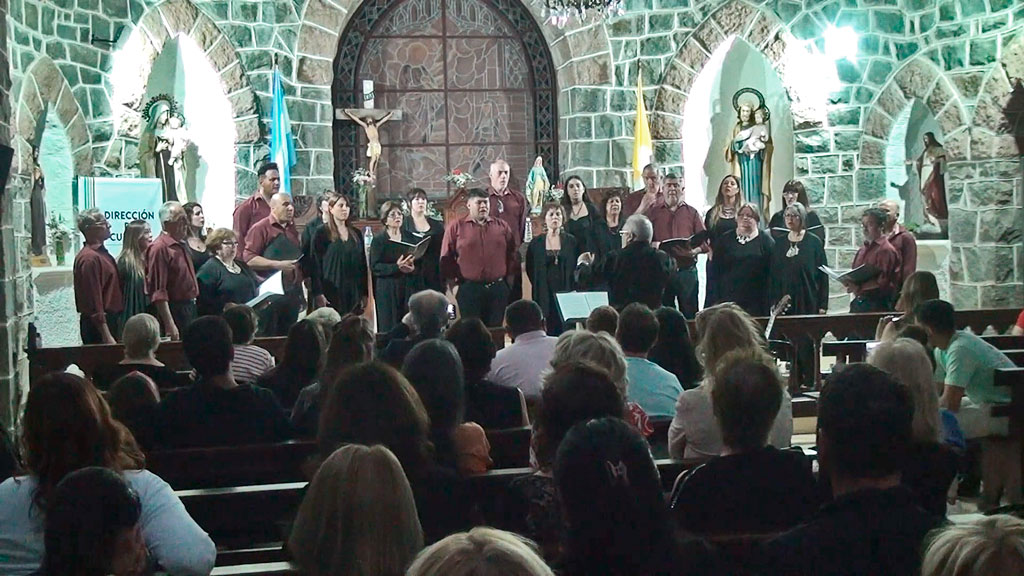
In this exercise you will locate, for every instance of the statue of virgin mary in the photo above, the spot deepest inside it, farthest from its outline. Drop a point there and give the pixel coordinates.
(162, 147)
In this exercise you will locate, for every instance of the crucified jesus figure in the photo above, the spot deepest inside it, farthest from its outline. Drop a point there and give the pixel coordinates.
(370, 126)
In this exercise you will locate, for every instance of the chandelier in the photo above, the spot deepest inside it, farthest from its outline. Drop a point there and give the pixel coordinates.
(560, 12)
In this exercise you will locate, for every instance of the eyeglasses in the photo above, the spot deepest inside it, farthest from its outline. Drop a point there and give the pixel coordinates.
(104, 224)
(229, 243)
(745, 215)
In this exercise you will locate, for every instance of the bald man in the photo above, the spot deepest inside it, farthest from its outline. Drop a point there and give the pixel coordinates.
(901, 239)
(271, 246)
(511, 207)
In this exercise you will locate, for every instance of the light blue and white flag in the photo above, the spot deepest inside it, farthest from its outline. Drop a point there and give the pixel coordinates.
(282, 148)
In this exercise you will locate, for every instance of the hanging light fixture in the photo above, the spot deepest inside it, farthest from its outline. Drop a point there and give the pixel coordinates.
(560, 12)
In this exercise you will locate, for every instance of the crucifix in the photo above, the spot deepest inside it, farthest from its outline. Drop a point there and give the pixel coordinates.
(370, 120)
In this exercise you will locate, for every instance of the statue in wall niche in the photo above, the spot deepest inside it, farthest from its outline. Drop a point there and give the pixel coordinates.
(750, 150)
(163, 145)
(931, 173)
(37, 205)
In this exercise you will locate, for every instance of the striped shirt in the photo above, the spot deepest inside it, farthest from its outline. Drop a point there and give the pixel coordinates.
(250, 363)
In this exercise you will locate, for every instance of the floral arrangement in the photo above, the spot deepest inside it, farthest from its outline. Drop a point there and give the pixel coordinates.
(555, 194)
(58, 230)
(363, 181)
(459, 178)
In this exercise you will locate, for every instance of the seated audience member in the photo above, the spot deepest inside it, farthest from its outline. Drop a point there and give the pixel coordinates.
(616, 519)
(351, 343)
(358, 517)
(135, 402)
(673, 350)
(930, 467)
(66, 427)
(874, 525)
(325, 319)
(434, 369)
(141, 338)
(216, 410)
(482, 551)
(952, 435)
(603, 351)
(428, 316)
(603, 319)
(250, 361)
(918, 288)
(651, 386)
(984, 547)
(372, 403)
(694, 433)
(8, 457)
(574, 392)
(92, 527)
(492, 406)
(520, 365)
(303, 359)
(965, 365)
(752, 488)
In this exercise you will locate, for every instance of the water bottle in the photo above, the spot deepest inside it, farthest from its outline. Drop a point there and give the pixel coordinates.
(367, 238)
(528, 234)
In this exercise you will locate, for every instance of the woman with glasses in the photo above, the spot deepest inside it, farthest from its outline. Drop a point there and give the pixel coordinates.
(795, 272)
(223, 279)
(743, 260)
(794, 191)
(395, 275)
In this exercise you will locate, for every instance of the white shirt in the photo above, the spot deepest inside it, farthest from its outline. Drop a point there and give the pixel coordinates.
(172, 537)
(521, 364)
(695, 424)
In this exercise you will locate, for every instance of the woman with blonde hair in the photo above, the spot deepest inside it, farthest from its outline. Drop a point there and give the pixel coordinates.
(358, 518)
(131, 268)
(991, 546)
(719, 222)
(482, 551)
(930, 467)
(141, 338)
(918, 288)
(224, 279)
(694, 431)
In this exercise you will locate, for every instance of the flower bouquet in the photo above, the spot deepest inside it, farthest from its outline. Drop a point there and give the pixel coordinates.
(459, 178)
(363, 182)
(59, 236)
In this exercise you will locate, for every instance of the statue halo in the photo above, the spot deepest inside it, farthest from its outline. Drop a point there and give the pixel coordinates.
(748, 90)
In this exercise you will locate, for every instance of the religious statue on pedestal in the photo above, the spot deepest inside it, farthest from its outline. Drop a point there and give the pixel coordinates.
(750, 150)
(537, 185)
(37, 205)
(931, 173)
(371, 127)
(162, 149)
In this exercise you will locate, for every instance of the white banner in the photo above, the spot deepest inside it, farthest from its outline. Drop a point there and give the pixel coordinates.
(123, 200)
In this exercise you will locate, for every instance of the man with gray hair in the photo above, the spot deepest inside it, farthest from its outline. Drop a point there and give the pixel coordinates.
(97, 288)
(636, 273)
(427, 318)
(170, 274)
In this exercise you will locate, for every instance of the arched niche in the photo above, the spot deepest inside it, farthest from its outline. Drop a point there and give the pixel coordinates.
(57, 167)
(905, 145)
(735, 64)
(183, 72)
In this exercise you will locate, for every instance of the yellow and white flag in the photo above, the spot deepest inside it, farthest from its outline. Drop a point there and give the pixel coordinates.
(642, 147)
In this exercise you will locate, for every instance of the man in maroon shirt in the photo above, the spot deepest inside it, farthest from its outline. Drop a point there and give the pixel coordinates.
(257, 206)
(170, 275)
(901, 239)
(272, 246)
(511, 207)
(877, 294)
(674, 218)
(641, 201)
(97, 288)
(478, 260)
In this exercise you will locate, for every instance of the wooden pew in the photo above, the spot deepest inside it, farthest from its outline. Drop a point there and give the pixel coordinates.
(847, 351)
(232, 465)
(510, 448)
(260, 569)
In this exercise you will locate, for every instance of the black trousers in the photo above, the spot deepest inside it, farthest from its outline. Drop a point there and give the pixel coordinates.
(183, 312)
(90, 335)
(873, 301)
(683, 285)
(483, 300)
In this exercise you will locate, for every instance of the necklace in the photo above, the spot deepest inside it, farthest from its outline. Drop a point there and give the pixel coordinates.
(578, 213)
(794, 249)
(743, 239)
(728, 212)
(232, 267)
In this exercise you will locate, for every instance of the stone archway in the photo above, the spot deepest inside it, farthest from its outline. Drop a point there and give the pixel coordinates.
(43, 87)
(134, 62)
(763, 30)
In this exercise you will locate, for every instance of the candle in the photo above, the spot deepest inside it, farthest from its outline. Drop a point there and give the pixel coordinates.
(367, 93)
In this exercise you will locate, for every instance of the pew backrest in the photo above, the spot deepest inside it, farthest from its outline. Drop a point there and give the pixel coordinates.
(232, 465)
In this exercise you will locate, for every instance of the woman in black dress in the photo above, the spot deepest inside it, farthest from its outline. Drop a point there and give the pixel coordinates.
(131, 268)
(394, 272)
(339, 262)
(223, 279)
(580, 211)
(794, 191)
(550, 265)
(794, 271)
(743, 261)
(196, 235)
(720, 221)
(604, 236)
(420, 225)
